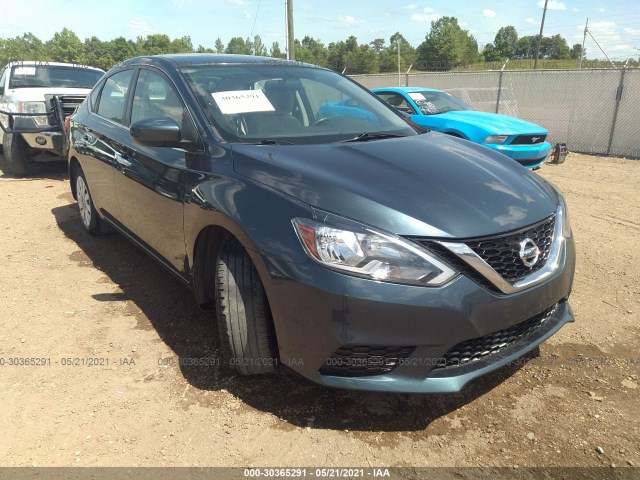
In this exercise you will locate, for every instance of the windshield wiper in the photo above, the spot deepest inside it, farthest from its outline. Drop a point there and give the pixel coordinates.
(272, 141)
(366, 136)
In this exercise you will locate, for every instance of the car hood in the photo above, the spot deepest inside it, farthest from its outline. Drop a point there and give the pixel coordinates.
(37, 94)
(425, 185)
(494, 123)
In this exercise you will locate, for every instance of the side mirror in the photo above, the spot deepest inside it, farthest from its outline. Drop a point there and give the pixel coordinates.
(156, 132)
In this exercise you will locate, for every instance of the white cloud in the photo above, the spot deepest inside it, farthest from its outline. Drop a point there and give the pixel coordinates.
(553, 5)
(574, 9)
(236, 2)
(600, 10)
(141, 28)
(427, 15)
(349, 19)
(531, 21)
(631, 31)
(411, 6)
(487, 12)
(247, 15)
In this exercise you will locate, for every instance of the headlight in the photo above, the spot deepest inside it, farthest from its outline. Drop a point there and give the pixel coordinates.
(359, 250)
(34, 107)
(564, 211)
(566, 224)
(496, 139)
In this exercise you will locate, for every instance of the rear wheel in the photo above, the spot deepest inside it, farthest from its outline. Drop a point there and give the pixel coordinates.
(244, 318)
(19, 163)
(91, 222)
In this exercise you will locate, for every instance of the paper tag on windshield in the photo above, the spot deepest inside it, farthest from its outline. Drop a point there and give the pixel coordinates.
(242, 101)
(24, 71)
(416, 96)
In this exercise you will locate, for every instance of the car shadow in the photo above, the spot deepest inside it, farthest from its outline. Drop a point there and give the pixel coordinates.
(161, 302)
(54, 170)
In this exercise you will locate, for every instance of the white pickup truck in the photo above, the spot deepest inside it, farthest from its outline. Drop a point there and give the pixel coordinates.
(35, 98)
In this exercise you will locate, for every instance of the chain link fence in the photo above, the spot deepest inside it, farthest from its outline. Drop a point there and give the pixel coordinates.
(592, 111)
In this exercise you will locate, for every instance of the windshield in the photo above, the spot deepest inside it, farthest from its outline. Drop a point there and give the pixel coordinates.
(39, 76)
(432, 103)
(251, 103)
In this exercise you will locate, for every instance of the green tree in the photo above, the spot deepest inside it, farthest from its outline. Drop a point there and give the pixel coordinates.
(275, 51)
(506, 42)
(121, 48)
(447, 45)
(65, 46)
(555, 48)
(26, 47)
(377, 45)
(311, 50)
(219, 46)
(489, 53)
(259, 48)
(155, 44)
(526, 47)
(181, 45)
(97, 53)
(388, 58)
(576, 51)
(238, 45)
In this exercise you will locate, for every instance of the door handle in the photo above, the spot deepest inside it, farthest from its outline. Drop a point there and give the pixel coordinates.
(122, 160)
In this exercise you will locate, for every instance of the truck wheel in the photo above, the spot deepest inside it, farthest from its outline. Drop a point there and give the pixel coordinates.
(91, 222)
(244, 318)
(19, 164)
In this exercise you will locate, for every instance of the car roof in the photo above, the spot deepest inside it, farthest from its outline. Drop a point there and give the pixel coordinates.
(38, 63)
(406, 89)
(179, 60)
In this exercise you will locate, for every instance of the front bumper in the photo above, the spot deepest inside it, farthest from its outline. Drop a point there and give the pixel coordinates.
(45, 140)
(317, 312)
(530, 156)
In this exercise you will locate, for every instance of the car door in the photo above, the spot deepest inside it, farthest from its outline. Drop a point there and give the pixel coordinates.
(150, 180)
(98, 136)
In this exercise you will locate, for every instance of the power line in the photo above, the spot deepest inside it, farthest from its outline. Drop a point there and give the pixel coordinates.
(255, 19)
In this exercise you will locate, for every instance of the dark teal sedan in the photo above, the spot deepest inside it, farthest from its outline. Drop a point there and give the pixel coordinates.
(328, 236)
(440, 111)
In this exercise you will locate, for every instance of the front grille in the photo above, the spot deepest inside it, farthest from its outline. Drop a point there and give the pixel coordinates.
(458, 264)
(364, 360)
(480, 348)
(503, 253)
(528, 139)
(70, 103)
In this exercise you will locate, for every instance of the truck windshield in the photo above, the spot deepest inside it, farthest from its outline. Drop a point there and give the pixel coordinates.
(44, 76)
(253, 103)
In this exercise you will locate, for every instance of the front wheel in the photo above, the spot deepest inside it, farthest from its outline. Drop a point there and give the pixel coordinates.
(19, 163)
(91, 222)
(244, 317)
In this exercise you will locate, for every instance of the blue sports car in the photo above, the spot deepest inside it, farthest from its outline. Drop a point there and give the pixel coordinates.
(440, 111)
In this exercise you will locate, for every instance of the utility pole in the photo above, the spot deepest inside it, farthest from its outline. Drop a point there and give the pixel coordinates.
(584, 38)
(544, 13)
(291, 54)
(601, 49)
(399, 81)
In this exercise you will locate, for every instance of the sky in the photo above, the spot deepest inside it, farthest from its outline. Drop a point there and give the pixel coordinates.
(615, 24)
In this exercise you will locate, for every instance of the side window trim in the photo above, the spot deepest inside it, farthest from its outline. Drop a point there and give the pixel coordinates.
(193, 125)
(128, 94)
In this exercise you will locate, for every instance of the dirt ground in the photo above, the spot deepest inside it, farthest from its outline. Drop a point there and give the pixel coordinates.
(128, 401)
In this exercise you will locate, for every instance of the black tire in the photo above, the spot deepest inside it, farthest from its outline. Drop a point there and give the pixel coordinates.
(18, 162)
(89, 217)
(244, 318)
